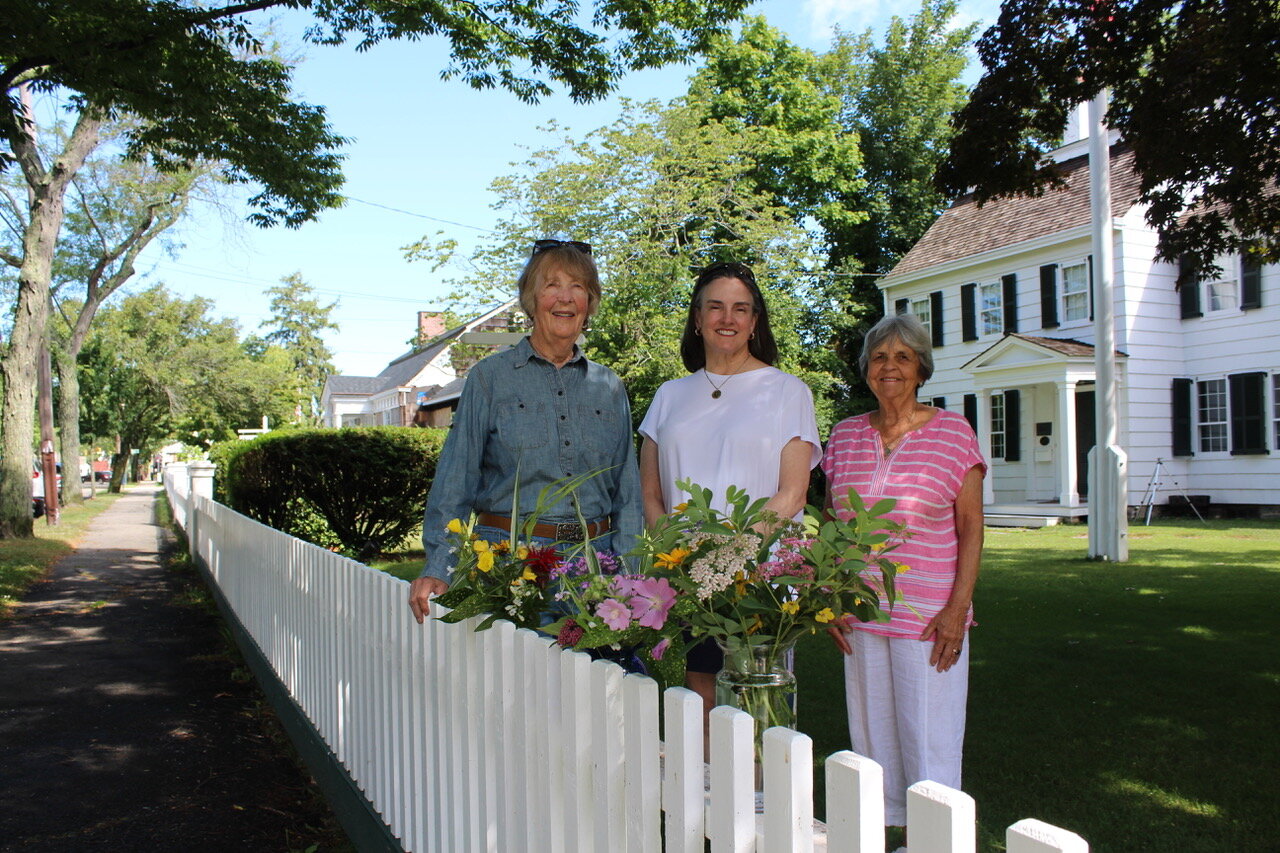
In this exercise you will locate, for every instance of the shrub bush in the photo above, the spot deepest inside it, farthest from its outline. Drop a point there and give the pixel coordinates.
(360, 489)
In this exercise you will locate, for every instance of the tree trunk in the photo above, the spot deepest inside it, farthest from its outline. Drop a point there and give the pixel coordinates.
(47, 190)
(69, 427)
(119, 465)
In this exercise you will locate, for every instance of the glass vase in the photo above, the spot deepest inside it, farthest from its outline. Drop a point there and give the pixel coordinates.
(758, 679)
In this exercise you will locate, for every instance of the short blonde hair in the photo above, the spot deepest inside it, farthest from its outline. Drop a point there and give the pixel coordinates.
(573, 260)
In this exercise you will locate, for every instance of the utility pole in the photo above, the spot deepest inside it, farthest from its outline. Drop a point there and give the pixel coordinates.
(1108, 463)
(44, 379)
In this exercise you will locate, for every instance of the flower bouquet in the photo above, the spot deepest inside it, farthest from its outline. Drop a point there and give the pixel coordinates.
(756, 583)
(616, 614)
(509, 579)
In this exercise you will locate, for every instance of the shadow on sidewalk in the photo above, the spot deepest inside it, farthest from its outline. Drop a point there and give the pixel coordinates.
(123, 725)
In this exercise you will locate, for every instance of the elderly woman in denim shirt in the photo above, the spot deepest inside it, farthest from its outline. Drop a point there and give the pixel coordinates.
(540, 408)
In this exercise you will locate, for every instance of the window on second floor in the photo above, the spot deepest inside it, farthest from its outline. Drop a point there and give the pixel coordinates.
(1075, 292)
(991, 308)
(1211, 398)
(1275, 406)
(1220, 293)
(920, 307)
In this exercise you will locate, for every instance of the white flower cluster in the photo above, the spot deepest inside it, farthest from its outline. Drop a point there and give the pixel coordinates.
(715, 570)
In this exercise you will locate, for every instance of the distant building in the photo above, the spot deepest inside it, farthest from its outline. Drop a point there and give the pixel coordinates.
(431, 374)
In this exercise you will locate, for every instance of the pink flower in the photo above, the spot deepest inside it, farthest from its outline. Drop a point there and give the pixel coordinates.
(652, 599)
(616, 615)
(660, 649)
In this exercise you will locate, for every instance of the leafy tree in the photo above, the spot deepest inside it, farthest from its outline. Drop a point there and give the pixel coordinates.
(197, 78)
(296, 323)
(897, 100)
(659, 194)
(1192, 91)
(156, 367)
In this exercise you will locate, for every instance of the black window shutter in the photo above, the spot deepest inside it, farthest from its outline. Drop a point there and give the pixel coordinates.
(1247, 398)
(971, 411)
(1090, 260)
(939, 402)
(1189, 288)
(1182, 418)
(1010, 283)
(1012, 426)
(1250, 283)
(901, 306)
(935, 316)
(969, 312)
(1049, 296)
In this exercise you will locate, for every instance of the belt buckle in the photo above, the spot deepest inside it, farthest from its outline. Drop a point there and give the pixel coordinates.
(569, 531)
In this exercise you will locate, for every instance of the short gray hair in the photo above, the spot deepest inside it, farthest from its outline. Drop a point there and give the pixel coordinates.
(906, 328)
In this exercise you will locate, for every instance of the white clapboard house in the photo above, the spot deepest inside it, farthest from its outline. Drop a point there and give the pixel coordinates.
(1006, 290)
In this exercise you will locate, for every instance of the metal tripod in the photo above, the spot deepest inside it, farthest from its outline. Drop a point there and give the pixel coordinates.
(1149, 499)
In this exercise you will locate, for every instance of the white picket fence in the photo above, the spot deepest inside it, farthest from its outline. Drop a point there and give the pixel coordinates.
(501, 741)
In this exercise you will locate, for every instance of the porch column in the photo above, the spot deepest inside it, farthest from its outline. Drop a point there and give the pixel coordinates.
(984, 445)
(1068, 485)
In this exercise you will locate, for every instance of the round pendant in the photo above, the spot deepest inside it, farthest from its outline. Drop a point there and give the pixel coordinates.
(715, 395)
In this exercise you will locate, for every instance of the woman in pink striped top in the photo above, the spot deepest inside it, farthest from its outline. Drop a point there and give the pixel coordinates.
(906, 681)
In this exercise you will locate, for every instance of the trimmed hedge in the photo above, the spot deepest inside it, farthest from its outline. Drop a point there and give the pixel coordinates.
(358, 489)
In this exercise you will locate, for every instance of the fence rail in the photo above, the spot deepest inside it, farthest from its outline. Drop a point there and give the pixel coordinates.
(501, 741)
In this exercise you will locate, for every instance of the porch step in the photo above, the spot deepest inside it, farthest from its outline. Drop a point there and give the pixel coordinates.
(1009, 519)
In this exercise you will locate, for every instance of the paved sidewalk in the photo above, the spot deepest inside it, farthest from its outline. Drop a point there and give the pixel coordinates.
(120, 725)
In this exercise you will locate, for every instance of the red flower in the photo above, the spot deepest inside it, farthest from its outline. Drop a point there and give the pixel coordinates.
(542, 561)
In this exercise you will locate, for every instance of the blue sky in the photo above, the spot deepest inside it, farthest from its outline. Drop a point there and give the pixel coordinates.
(423, 155)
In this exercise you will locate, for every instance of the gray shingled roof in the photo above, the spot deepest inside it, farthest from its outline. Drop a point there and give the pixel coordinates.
(354, 384)
(965, 229)
(403, 369)
(446, 393)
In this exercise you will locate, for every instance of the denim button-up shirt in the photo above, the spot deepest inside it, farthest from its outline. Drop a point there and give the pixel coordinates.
(518, 411)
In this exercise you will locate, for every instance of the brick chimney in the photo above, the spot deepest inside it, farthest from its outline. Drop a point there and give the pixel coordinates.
(430, 325)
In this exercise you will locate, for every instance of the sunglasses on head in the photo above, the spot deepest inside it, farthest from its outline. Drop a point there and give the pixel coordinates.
(544, 245)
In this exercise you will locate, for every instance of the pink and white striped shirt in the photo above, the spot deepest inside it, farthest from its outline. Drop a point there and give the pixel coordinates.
(923, 474)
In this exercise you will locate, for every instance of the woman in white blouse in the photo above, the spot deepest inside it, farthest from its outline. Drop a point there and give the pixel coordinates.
(735, 420)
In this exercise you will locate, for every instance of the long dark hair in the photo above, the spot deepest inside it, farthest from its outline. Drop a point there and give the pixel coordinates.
(761, 345)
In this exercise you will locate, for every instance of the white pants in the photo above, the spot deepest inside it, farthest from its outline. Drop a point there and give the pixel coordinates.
(904, 714)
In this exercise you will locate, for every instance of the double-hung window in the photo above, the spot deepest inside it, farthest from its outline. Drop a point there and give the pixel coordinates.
(921, 308)
(1275, 407)
(1211, 398)
(991, 307)
(997, 426)
(1075, 292)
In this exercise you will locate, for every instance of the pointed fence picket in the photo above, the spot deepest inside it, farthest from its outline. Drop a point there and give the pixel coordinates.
(501, 741)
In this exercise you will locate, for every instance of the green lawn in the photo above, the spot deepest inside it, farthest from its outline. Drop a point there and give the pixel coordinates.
(24, 561)
(1133, 703)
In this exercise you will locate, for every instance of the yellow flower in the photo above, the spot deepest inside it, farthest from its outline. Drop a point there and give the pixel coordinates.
(502, 546)
(825, 615)
(857, 601)
(480, 546)
(528, 574)
(756, 624)
(672, 558)
(902, 568)
(454, 526)
(791, 608)
(484, 560)
(682, 506)
(522, 552)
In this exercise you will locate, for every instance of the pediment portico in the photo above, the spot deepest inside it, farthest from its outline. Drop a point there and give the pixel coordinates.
(1049, 383)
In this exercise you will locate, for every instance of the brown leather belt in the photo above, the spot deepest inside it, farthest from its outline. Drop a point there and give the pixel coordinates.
(560, 531)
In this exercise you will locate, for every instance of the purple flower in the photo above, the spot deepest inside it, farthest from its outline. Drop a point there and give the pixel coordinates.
(652, 599)
(616, 615)
(660, 649)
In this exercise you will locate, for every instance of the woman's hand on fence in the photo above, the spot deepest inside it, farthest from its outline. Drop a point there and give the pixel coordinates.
(420, 593)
